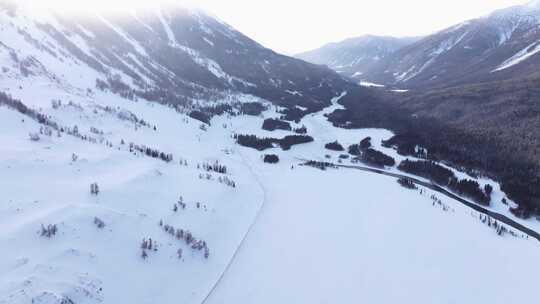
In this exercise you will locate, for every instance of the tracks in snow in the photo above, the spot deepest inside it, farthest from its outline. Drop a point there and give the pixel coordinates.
(250, 228)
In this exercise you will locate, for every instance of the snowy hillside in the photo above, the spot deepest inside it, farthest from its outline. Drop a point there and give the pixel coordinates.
(169, 54)
(112, 195)
(501, 45)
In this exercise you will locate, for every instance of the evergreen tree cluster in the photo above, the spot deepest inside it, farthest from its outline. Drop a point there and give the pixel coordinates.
(179, 204)
(148, 245)
(355, 150)
(300, 130)
(319, 165)
(264, 143)
(471, 189)
(500, 229)
(365, 143)
(227, 181)
(187, 237)
(271, 159)
(215, 167)
(446, 178)
(407, 183)
(154, 153)
(272, 124)
(376, 158)
(427, 169)
(251, 108)
(334, 146)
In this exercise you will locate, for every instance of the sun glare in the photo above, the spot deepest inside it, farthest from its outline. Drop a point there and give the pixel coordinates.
(81, 6)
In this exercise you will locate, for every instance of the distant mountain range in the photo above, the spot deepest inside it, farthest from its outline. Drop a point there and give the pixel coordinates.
(502, 45)
(354, 57)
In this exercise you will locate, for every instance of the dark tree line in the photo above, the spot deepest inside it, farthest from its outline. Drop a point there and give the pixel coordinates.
(446, 178)
(319, 164)
(251, 108)
(293, 114)
(215, 167)
(290, 140)
(334, 146)
(407, 183)
(427, 169)
(301, 130)
(154, 153)
(255, 142)
(271, 124)
(476, 153)
(376, 158)
(188, 238)
(264, 143)
(20, 107)
(471, 189)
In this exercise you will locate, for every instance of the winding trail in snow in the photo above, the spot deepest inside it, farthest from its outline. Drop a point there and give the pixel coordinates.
(241, 245)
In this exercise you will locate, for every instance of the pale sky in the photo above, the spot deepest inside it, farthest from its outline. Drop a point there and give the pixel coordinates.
(292, 26)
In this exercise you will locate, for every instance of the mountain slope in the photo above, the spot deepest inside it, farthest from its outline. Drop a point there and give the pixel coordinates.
(355, 56)
(503, 45)
(171, 54)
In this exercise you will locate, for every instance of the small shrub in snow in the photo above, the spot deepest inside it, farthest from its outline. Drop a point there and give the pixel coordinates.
(181, 203)
(45, 131)
(48, 231)
(66, 300)
(56, 104)
(94, 189)
(74, 157)
(99, 223)
(34, 136)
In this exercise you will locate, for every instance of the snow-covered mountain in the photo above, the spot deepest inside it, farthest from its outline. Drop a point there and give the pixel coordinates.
(172, 55)
(114, 191)
(501, 45)
(355, 56)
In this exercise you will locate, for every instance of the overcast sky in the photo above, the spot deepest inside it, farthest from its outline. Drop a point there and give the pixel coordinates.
(292, 26)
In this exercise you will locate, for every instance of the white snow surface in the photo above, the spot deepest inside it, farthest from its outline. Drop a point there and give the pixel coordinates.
(317, 236)
(519, 57)
(371, 84)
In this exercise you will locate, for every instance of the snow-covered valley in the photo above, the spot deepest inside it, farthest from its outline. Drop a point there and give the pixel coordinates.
(336, 235)
(111, 196)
